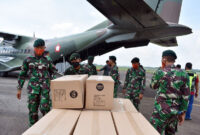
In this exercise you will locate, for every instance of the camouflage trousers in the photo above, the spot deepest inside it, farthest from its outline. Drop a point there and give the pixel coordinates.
(116, 86)
(36, 101)
(164, 123)
(134, 97)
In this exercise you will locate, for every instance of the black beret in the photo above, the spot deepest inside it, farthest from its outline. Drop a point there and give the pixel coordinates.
(39, 42)
(113, 58)
(74, 56)
(90, 57)
(135, 60)
(169, 53)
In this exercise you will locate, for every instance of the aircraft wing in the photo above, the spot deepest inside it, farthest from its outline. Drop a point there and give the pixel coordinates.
(8, 63)
(136, 16)
(131, 14)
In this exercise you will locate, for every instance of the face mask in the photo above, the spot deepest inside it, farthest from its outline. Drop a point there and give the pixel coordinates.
(38, 51)
(75, 64)
(90, 62)
(163, 64)
(135, 66)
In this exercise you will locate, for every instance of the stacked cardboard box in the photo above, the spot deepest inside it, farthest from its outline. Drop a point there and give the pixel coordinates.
(123, 105)
(99, 92)
(68, 91)
(119, 121)
(56, 122)
(95, 123)
(128, 123)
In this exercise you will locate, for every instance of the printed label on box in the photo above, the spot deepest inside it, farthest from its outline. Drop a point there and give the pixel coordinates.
(99, 87)
(59, 95)
(99, 100)
(73, 94)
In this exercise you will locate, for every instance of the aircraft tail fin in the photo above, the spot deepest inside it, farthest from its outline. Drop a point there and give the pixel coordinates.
(169, 10)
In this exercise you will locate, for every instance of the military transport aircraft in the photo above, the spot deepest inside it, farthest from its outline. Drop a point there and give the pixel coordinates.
(131, 23)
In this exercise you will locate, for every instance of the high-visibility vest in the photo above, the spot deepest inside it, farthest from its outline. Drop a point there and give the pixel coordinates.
(192, 78)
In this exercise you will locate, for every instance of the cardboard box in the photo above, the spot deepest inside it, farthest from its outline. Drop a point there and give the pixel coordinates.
(123, 105)
(128, 123)
(68, 91)
(56, 122)
(99, 92)
(95, 123)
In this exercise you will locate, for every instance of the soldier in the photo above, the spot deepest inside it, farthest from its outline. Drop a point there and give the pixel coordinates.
(171, 100)
(105, 68)
(76, 67)
(39, 69)
(135, 83)
(114, 73)
(92, 70)
(194, 85)
(178, 66)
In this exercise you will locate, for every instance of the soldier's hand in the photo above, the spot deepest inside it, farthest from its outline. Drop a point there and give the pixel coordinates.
(181, 118)
(124, 91)
(19, 94)
(140, 96)
(98, 69)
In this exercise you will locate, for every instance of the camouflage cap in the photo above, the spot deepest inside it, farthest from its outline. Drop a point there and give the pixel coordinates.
(113, 58)
(169, 53)
(74, 56)
(39, 42)
(90, 57)
(135, 60)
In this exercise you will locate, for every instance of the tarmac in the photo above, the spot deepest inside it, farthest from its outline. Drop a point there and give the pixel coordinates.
(14, 112)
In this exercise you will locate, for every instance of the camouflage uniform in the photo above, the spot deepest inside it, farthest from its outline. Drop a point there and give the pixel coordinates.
(39, 70)
(134, 85)
(114, 73)
(171, 99)
(92, 70)
(72, 71)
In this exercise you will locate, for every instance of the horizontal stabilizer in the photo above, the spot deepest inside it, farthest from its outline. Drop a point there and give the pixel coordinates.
(10, 65)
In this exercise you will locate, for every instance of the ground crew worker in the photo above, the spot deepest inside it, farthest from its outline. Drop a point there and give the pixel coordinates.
(75, 68)
(92, 70)
(194, 85)
(134, 83)
(171, 100)
(114, 73)
(178, 66)
(105, 68)
(39, 69)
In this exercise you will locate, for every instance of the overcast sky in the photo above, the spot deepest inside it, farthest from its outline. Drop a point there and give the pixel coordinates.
(56, 18)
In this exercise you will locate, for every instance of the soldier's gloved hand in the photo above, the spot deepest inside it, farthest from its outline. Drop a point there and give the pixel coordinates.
(181, 118)
(124, 91)
(19, 94)
(140, 96)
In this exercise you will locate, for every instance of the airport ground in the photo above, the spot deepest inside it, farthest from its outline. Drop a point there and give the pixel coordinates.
(14, 113)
